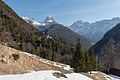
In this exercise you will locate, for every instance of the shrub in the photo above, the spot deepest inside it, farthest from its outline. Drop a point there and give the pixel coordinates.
(15, 56)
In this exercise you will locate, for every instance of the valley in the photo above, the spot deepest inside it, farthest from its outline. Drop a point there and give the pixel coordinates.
(45, 49)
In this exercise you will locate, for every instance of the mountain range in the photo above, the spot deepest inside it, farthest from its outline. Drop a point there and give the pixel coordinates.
(60, 32)
(50, 27)
(94, 31)
(17, 33)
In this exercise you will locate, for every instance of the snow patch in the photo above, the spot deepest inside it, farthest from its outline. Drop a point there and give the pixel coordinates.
(29, 54)
(56, 64)
(94, 72)
(43, 75)
(60, 65)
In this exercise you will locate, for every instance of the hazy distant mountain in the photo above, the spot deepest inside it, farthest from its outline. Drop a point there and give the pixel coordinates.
(94, 31)
(63, 33)
(108, 49)
(42, 26)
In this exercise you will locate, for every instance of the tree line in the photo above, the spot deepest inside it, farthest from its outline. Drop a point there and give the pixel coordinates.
(83, 61)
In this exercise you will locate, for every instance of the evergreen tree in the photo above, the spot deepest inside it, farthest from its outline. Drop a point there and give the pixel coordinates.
(50, 51)
(53, 56)
(88, 65)
(0, 41)
(92, 59)
(0, 21)
(78, 58)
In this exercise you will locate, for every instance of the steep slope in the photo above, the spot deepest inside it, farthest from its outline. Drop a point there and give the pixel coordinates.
(14, 30)
(108, 50)
(94, 31)
(16, 33)
(61, 32)
(7, 13)
(42, 26)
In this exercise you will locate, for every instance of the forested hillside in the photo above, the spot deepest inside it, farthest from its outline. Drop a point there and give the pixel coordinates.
(63, 33)
(18, 34)
(108, 49)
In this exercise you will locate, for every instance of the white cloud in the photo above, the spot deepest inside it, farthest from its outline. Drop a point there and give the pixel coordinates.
(44, 7)
(49, 5)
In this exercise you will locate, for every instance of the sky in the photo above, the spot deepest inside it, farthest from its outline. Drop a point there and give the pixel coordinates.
(66, 11)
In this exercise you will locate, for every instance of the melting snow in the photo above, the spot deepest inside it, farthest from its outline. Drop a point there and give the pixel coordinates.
(60, 65)
(43, 75)
(29, 54)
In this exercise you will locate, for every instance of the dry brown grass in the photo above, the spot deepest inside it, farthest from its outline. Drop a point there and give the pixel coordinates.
(23, 64)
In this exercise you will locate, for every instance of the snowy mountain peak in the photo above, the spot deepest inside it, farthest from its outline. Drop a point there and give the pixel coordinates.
(94, 31)
(25, 18)
(116, 18)
(32, 21)
(42, 26)
(50, 19)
